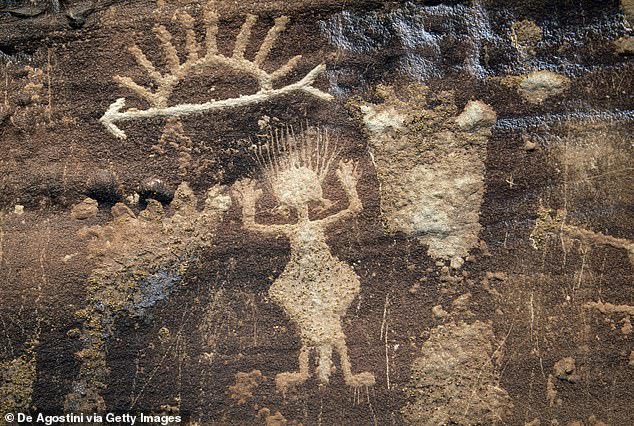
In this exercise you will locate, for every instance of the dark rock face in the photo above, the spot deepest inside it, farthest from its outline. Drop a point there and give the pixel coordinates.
(317, 212)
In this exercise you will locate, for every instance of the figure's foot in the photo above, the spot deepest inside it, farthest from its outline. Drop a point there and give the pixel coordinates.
(361, 379)
(286, 381)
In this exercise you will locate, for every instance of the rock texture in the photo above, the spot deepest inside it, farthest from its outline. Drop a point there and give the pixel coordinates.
(454, 379)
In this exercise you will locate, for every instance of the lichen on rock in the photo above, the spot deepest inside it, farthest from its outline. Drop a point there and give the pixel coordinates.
(430, 165)
(16, 385)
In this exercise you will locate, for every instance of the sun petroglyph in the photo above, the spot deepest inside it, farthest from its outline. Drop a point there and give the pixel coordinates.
(315, 288)
(178, 71)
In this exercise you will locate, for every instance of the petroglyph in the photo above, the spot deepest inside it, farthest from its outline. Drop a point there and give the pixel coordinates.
(178, 71)
(549, 225)
(610, 308)
(246, 383)
(244, 393)
(140, 261)
(276, 419)
(315, 288)
(417, 151)
(455, 380)
(595, 161)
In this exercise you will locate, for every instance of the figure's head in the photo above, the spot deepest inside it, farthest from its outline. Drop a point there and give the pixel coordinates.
(296, 187)
(296, 165)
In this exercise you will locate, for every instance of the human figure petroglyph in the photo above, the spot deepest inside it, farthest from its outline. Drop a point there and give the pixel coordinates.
(315, 288)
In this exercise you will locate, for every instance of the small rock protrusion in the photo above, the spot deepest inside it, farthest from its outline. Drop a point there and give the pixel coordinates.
(566, 370)
(85, 209)
(77, 15)
(529, 145)
(104, 187)
(439, 312)
(475, 116)
(155, 189)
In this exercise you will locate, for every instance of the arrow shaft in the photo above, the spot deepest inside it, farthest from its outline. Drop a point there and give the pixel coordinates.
(188, 109)
(113, 115)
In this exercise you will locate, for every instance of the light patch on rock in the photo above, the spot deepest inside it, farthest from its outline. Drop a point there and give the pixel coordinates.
(538, 86)
(455, 380)
(381, 120)
(475, 116)
(246, 383)
(624, 45)
(609, 308)
(430, 166)
(551, 392)
(86, 209)
(439, 312)
(627, 325)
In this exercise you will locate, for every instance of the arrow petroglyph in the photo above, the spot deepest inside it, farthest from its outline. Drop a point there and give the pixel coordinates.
(114, 114)
(179, 71)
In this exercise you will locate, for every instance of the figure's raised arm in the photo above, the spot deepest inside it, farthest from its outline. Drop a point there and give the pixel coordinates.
(248, 195)
(348, 176)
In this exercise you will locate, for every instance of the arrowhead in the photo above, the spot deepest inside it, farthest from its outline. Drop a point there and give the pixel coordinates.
(110, 116)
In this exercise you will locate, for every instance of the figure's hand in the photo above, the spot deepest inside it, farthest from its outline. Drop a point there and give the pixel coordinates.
(246, 192)
(348, 175)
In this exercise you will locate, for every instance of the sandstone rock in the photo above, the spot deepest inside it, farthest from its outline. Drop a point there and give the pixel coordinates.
(86, 209)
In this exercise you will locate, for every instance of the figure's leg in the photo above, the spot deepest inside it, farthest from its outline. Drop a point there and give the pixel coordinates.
(284, 381)
(365, 378)
(325, 364)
